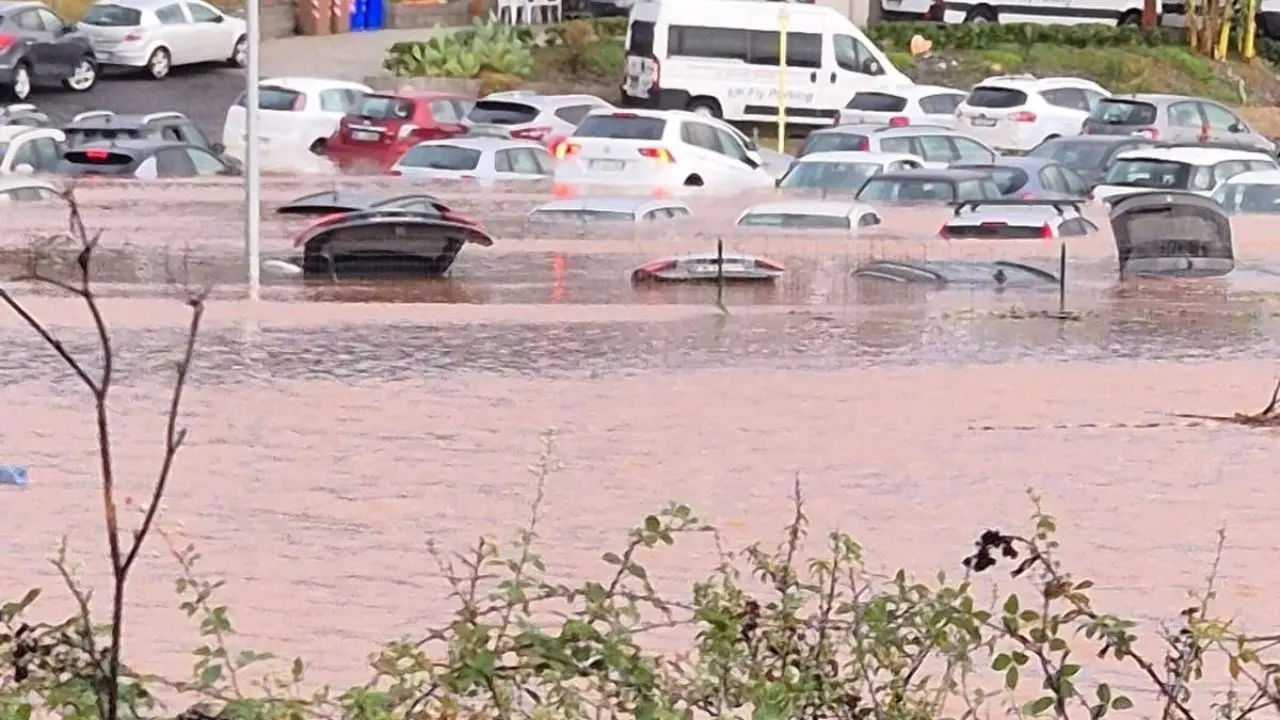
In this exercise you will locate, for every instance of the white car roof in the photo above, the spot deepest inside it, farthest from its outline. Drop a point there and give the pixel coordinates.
(611, 204)
(826, 208)
(914, 91)
(9, 132)
(1015, 215)
(1256, 177)
(856, 156)
(312, 84)
(483, 144)
(1031, 82)
(1191, 155)
(18, 182)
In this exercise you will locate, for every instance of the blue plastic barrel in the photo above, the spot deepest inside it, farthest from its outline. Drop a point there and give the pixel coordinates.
(359, 14)
(376, 14)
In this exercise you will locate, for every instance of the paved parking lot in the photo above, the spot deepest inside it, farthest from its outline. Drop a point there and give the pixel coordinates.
(205, 93)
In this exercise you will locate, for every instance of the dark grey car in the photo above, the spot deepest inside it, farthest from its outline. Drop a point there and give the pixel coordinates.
(39, 48)
(910, 187)
(1173, 118)
(1088, 156)
(1029, 178)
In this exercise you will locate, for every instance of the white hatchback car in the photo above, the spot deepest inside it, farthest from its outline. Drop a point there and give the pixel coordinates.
(1018, 112)
(487, 160)
(1186, 169)
(296, 115)
(658, 149)
(26, 149)
(906, 105)
(810, 215)
(159, 34)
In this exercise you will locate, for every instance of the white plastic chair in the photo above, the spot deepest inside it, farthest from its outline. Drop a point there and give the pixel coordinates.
(552, 10)
(517, 12)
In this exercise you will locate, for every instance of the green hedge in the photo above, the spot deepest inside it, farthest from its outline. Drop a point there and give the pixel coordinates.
(982, 36)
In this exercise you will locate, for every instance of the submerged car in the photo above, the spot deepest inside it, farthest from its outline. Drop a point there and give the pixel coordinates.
(1256, 191)
(809, 215)
(1172, 234)
(1088, 156)
(381, 128)
(843, 170)
(1028, 178)
(362, 236)
(998, 275)
(1178, 169)
(709, 267)
(607, 209)
(26, 189)
(486, 160)
(1017, 220)
(145, 160)
(911, 187)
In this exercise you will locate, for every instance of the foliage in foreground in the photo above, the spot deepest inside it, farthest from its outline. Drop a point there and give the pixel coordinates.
(773, 633)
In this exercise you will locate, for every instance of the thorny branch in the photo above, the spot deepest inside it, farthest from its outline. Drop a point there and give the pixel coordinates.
(121, 559)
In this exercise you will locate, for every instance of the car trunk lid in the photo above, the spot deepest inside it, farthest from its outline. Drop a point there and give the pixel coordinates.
(1118, 116)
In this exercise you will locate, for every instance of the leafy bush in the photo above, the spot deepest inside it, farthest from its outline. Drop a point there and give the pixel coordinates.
(983, 36)
(483, 47)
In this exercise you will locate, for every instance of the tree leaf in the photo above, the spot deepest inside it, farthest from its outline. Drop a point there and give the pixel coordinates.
(1104, 693)
(1001, 663)
(652, 524)
(1011, 678)
(612, 558)
(1011, 605)
(1121, 703)
(211, 674)
(1035, 707)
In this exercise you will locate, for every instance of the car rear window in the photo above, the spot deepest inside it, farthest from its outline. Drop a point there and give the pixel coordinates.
(1009, 180)
(1147, 173)
(1123, 112)
(441, 157)
(81, 136)
(996, 229)
(640, 39)
(108, 15)
(877, 102)
(271, 97)
(828, 175)
(1075, 154)
(833, 141)
(383, 107)
(795, 220)
(502, 112)
(907, 191)
(621, 127)
(996, 97)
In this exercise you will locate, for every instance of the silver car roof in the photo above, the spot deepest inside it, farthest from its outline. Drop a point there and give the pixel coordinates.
(611, 204)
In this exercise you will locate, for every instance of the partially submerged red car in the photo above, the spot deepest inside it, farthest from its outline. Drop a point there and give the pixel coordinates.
(383, 126)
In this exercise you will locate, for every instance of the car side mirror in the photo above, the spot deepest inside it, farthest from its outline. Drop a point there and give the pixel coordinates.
(218, 148)
(66, 29)
(777, 182)
(1236, 128)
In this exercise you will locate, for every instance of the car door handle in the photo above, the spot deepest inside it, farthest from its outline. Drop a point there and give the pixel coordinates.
(833, 77)
(813, 77)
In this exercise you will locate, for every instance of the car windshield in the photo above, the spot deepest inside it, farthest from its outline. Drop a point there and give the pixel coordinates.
(829, 175)
(1141, 172)
(834, 142)
(582, 216)
(621, 127)
(441, 157)
(795, 220)
(383, 107)
(502, 112)
(897, 190)
(1249, 198)
(1076, 155)
(1123, 112)
(877, 102)
(986, 96)
(108, 15)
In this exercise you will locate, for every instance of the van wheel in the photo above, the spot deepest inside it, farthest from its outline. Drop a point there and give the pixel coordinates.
(982, 14)
(693, 181)
(706, 107)
(1133, 17)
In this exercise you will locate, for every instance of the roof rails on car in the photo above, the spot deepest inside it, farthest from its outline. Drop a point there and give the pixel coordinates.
(166, 114)
(1059, 205)
(21, 107)
(92, 114)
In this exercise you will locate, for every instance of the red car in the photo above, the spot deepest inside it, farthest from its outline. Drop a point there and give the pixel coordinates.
(382, 127)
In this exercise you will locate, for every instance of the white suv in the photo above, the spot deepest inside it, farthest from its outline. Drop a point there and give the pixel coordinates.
(906, 105)
(658, 149)
(25, 149)
(1018, 112)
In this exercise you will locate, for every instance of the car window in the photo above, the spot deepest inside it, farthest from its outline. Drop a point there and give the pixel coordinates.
(573, 114)
(1225, 170)
(204, 162)
(909, 146)
(1201, 178)
(543, 161)
(990, 190)
(110, 15)
(1260, 165)
(147, 169)
(907, 190)
(29, 194)
(29, 21)
(518, 160)
(170, 132)
(1219, 117)
(202, 13)
(1052, 179)
(621, 126)
(937, 148)
(700, 135)
(853, 56)
(1093, 97)
(1112, 111)
(1074, 183)
(729, 146)
(1185, 114)
(877, 102)
(972, 190)
(988, 96)
(190, 133)
(1069, 98)
(445, 112)
(24, 154)
(173, 162)
(51, 22)
(334, 100)
(972, 151)
(48, 154)
(171, 15)
(677, 212)
(442, 157)
(941, 104)
(1073, 227)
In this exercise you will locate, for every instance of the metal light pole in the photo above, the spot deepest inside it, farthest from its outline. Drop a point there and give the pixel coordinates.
(784, 21)
(252, 153)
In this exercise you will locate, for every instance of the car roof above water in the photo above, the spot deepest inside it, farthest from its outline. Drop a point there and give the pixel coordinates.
(826, 208)
(610, 204)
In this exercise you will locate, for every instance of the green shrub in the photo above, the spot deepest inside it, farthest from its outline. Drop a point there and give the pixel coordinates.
(484, 47)
(983, 36)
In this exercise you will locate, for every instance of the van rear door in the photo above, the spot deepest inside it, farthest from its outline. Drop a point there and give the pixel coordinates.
(642, 65)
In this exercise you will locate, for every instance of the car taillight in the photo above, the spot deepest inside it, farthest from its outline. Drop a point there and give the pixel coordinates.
(1027, 196)
(1150, 133)
(659, 154)
(564, 149)
(6, 41)
(899, 121)
(1046, 231)
(864, 145)
(133, 37)
(533, 133)
(297, 241)
(944, 233)
(769, 265)
(451, 216)
(97, 154)
(1023, 116)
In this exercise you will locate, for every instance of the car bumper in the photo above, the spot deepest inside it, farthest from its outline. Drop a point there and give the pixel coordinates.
(6, 73)
(348, 156)
(124, 58)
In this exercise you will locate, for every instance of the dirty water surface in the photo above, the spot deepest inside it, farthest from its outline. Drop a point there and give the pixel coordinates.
(337, 430)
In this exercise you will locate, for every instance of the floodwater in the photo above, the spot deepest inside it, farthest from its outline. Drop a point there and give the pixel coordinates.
(338, 430)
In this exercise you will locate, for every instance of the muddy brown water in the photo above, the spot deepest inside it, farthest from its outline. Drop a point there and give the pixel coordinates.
(336, 431)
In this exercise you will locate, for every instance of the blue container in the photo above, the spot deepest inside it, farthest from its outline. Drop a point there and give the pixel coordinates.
(376, 14)
(359, 14)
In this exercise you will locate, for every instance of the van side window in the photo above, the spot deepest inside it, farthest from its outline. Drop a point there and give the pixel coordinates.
(853, 56)
(640, 39)
(804, 50)
(719, 43)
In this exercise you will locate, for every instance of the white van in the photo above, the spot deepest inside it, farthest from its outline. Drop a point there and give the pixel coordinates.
(720, 58)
